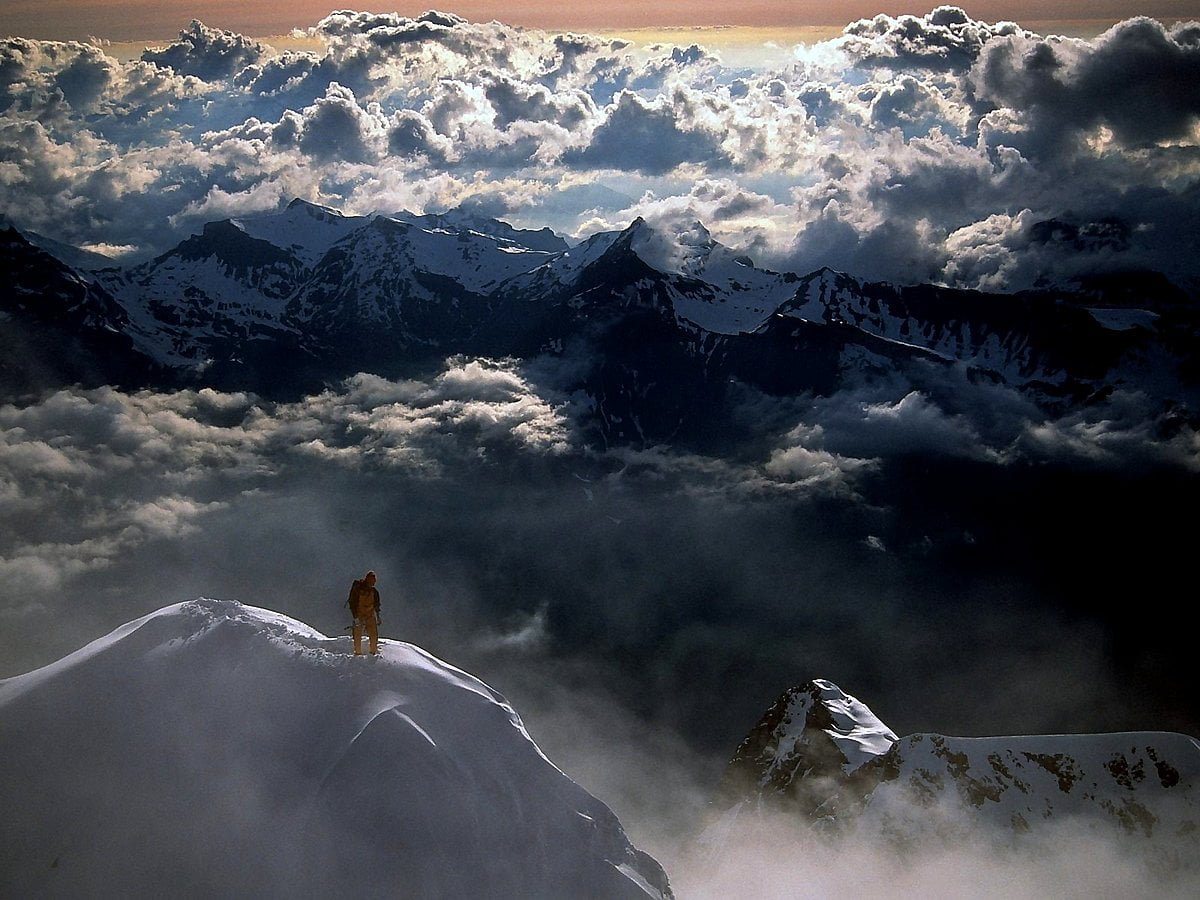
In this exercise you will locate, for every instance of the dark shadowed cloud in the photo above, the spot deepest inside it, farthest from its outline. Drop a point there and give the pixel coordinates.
(1136, 80)
(208, 53)
(644, 138)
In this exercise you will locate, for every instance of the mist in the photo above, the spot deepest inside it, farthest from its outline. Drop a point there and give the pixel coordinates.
(639, 608)
(776, 858)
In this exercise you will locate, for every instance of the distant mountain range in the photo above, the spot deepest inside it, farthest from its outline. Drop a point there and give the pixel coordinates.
(821, 758)
(287, 302)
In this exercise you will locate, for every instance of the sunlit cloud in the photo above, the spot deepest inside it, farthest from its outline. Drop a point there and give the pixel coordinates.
(923, 148)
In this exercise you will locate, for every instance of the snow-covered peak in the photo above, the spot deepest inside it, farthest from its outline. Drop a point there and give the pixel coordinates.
(678, 251)
(315, 210)
(240, 752)
(823, 757)
(818, 295)
(856, 731)
(815, 727)
(714, 286)
(304, 229)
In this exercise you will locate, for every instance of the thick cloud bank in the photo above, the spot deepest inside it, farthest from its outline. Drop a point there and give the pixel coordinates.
(912, 148)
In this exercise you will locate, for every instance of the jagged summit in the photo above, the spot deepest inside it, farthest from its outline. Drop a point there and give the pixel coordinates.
(232, 751)
(814, 734)
(316, 210)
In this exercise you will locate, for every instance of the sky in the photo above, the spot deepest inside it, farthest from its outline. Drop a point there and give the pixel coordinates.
(960, 559)
(126, 20)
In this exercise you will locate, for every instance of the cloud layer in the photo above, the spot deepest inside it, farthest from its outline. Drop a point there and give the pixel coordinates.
(965, 563)
(910, 148)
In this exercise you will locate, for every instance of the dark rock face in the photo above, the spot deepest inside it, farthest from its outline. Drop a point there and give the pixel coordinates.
(57, 328)
(813, 753)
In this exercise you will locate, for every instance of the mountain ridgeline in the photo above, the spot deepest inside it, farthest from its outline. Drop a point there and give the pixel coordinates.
(660, 328)
(821, 759)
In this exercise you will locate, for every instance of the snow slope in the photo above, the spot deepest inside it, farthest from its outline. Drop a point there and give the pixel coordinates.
(215, 749)
(304, 229)
(1140, 787)
(716, 288)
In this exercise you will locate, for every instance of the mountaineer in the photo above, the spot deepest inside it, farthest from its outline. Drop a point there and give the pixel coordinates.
(364, 606)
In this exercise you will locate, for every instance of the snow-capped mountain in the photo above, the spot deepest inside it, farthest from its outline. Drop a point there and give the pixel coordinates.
(219, 287)
(1018, 338)
(58, 327)
(821, 757)
(658, 323)
(215, 749)
(304, 229)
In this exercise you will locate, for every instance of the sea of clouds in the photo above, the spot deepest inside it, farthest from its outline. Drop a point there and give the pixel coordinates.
(912, 148)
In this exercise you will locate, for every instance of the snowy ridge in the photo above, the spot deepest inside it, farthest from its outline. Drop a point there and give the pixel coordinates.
(1139, 784)
(210, 289)
(475, 260)
(289, 301)
(829, 297)
(304, 229)
(825, 758)
(223, 750)
(564, 269)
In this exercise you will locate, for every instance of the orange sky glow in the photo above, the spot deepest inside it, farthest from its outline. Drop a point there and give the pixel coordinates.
(157, 20)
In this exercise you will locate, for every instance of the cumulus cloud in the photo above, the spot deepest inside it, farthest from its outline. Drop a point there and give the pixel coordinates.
(336, 127)
(946, 38)
(860, 430)
(649, 138)
(1116, 435)
(207, 53)
(1135, 80)
(909, 148)
(166, 450)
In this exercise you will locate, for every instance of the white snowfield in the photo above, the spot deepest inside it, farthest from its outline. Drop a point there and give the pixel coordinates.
(307, 230)
(212, 749)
